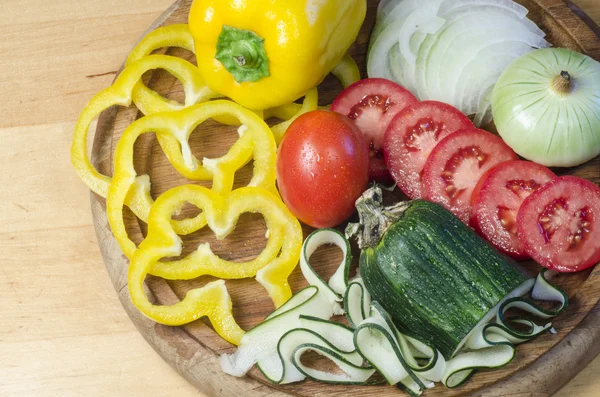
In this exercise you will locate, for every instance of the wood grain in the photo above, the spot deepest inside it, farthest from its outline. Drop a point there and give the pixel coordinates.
(63, 331)
(196, 341)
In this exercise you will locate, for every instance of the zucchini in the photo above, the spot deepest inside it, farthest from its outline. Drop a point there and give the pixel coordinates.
(434, 276)
(373, 342)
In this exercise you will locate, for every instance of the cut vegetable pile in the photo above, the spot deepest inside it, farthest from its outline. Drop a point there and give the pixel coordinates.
(451, 51)
(432, 301)
(377, 342)
(221, 206)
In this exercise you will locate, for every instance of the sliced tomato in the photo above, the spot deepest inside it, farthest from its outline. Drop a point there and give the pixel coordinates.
(559, 224)
(496, 200)
(372, 104)
(457, 163)
(412, 135)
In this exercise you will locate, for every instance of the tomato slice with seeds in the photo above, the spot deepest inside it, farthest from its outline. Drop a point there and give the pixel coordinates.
(457, 163)
(559, 224)
(372, 104)
(496, 200)
(412, 135)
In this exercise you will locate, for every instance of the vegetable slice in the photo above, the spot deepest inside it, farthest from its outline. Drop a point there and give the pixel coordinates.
(260, 343)
(497, 198)
(338, 283)
(559, 224)
(457, 163)
(434, 49)
(412, 135)
(372, 104)
(357, 302)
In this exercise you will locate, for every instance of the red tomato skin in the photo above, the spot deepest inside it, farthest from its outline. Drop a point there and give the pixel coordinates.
(496, 151)
(406, 164)
(555, 253)
(378, 171)
(322, 168)
(492, 192)
(372, 103)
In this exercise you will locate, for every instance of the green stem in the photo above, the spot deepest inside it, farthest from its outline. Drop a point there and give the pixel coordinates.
(243, 54)
(375, 219)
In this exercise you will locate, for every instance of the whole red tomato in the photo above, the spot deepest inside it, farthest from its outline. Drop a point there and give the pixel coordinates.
(322, 168)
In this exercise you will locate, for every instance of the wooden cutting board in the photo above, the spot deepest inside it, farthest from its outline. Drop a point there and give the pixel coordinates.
(539, 368)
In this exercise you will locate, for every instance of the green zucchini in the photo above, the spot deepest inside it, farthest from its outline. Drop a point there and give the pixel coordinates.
(444, 279)
(373, 342)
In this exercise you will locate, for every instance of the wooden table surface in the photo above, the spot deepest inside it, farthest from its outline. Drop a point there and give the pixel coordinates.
(62, 329)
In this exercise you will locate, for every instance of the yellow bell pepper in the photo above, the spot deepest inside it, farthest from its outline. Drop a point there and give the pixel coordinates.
(272, 267)
(179, 36)
(265, 53)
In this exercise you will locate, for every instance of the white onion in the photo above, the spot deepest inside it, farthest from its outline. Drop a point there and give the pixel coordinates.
(509, 5)
(393, 14)
(484, 113)
(465, 33)
(422, 86)
(408, 69)
(423, 19)
(385, 35)
(386, 6)
(546, 106)
(486, 64)
(397, 66)
(450, 50)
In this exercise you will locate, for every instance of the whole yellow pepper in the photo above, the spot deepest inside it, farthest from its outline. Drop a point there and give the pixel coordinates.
(267, 53)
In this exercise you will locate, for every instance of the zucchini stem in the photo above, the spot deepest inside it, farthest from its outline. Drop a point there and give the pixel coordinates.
(375, 219)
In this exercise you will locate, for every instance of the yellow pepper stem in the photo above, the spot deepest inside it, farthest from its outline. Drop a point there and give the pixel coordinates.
(243, 54)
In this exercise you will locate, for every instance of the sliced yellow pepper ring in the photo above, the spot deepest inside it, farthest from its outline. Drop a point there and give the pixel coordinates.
(222, 213)
(347, 71)
(310, 103)
(256, 141)
(149, 101)
(120, 93)
(167, 36)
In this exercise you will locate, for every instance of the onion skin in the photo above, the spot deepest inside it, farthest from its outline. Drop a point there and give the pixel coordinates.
(546, 107)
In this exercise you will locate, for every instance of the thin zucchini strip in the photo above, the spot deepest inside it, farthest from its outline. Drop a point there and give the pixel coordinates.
(357, 302)
(353, 374)
(302, 324)
(330, 339)
(260, 343)
(338, 283)
(339, 335)
(319, 300)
